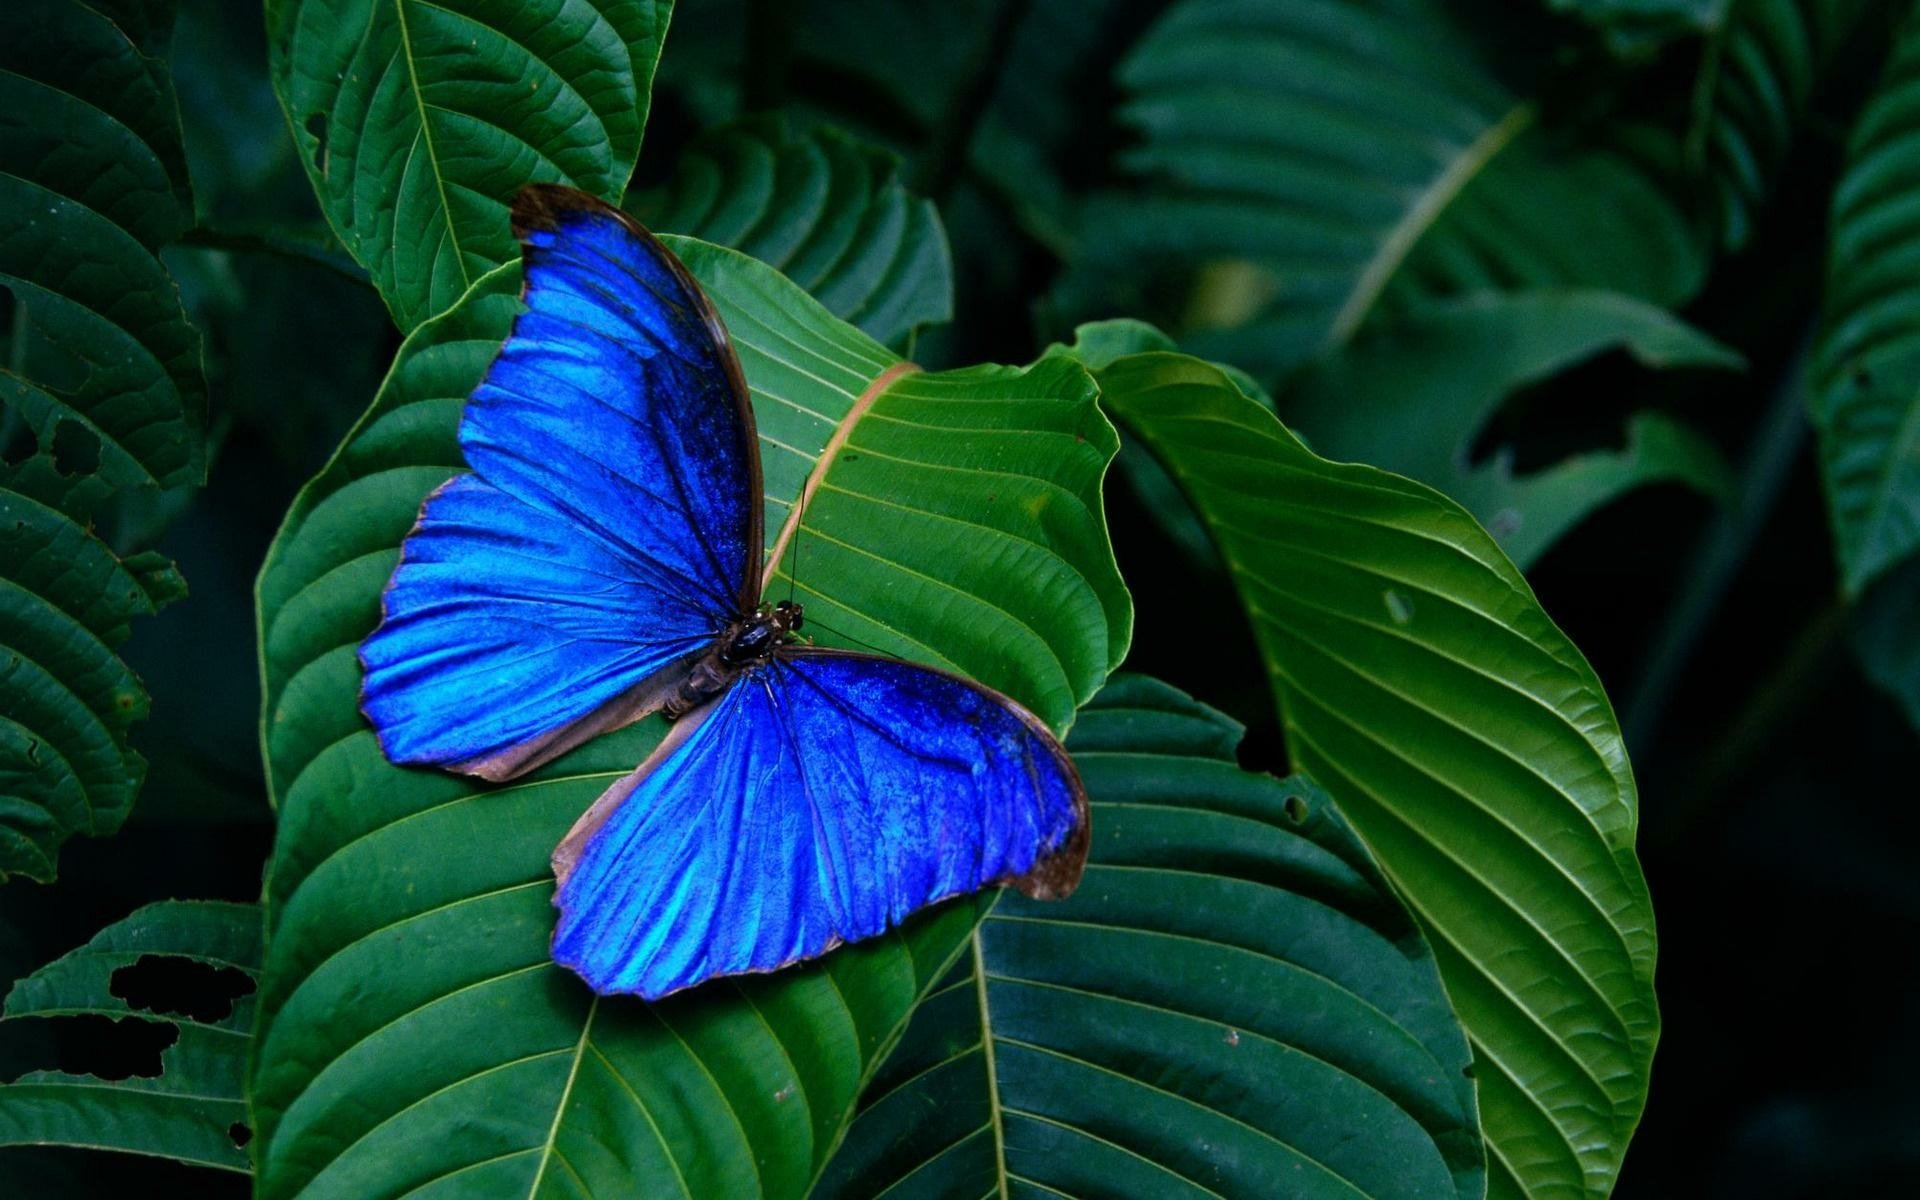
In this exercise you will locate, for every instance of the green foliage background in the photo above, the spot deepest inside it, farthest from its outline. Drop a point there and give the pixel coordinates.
(1392, 380)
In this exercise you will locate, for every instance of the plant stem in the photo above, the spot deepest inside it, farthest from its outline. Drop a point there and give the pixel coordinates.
(946, 154)
(1724, 548)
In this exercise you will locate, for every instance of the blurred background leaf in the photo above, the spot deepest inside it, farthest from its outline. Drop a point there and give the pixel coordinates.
(1761, 67)
(1302, 166)
(1290, 1037)
(826, 211)
(102, 406)
(1417, 395)
(1866, 367)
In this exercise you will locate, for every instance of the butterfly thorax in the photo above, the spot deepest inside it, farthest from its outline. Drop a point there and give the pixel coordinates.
(747, 644)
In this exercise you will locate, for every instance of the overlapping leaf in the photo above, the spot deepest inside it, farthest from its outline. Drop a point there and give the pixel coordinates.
(418, 120)
(1233, 1003)
(195, 1109)
(1415, 394)
(958, 523)
(100, 395)
(1866, 362)
(1465, 738)
(1763, 62)
(1302, 165)
(827, 211)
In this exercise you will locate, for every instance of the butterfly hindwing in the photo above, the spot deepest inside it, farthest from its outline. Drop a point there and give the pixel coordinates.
(610, 529)
(822, 799)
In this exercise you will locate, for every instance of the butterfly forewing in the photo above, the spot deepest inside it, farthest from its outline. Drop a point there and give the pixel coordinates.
(610, 529)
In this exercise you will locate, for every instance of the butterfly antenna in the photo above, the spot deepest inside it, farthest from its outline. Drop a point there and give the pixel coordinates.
(849, 637)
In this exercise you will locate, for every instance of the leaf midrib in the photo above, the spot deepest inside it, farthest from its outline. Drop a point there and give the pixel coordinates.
(426, 137)
(1426, 209)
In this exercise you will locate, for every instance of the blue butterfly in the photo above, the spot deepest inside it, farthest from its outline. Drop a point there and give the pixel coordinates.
(601, 563)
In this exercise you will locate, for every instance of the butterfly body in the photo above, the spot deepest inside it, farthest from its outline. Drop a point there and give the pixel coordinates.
(603, 562)
(750, 642)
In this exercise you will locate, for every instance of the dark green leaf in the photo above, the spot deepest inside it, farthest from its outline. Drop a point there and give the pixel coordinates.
(1468, 741)
(1233, 1003)
(417, 122)
(1635, 27)
(101, 398)
(1302, 165)
(958, 523)
(1414, 394)
(1887, 638)
(195, 1110)
(1866, 359)
(1762, 63)
(827, 211)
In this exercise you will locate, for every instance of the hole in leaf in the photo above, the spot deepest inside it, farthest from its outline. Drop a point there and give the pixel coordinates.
(180, 987)
(113, 1049)
(1467, 1070)
(17, 443)
(1297, 810)
(239, 1132)
(316, 125)
(76, 449)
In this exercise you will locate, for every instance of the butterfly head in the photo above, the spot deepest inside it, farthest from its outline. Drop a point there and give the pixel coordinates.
(755, 639)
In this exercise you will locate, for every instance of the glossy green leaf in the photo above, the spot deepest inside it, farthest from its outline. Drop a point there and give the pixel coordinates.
(958, 522)
(1233, 1003)
(1466, 739)
(1300, 166)
(1761, 65)
(1415, 394)
(417, 121)
(101, 397)
(1866, 361)
(195, 1109)
(828, 212)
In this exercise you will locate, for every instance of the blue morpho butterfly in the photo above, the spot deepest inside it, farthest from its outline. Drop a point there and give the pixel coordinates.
(602, 562)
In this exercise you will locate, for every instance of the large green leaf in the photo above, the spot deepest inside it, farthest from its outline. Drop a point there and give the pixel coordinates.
(1414, 395)
(1303, 165)
(195, 1109)
(1866, 361)
(827, 211)
(1233, 1003)
(408, 990)
(1464, 736)
(101, 398)
(418, 120)
(1762, 63)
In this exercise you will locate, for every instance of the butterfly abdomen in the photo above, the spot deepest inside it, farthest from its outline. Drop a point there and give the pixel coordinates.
(747, 644)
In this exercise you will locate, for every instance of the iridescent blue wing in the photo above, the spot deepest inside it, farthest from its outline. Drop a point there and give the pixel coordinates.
(819, 800)
(610, 530)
